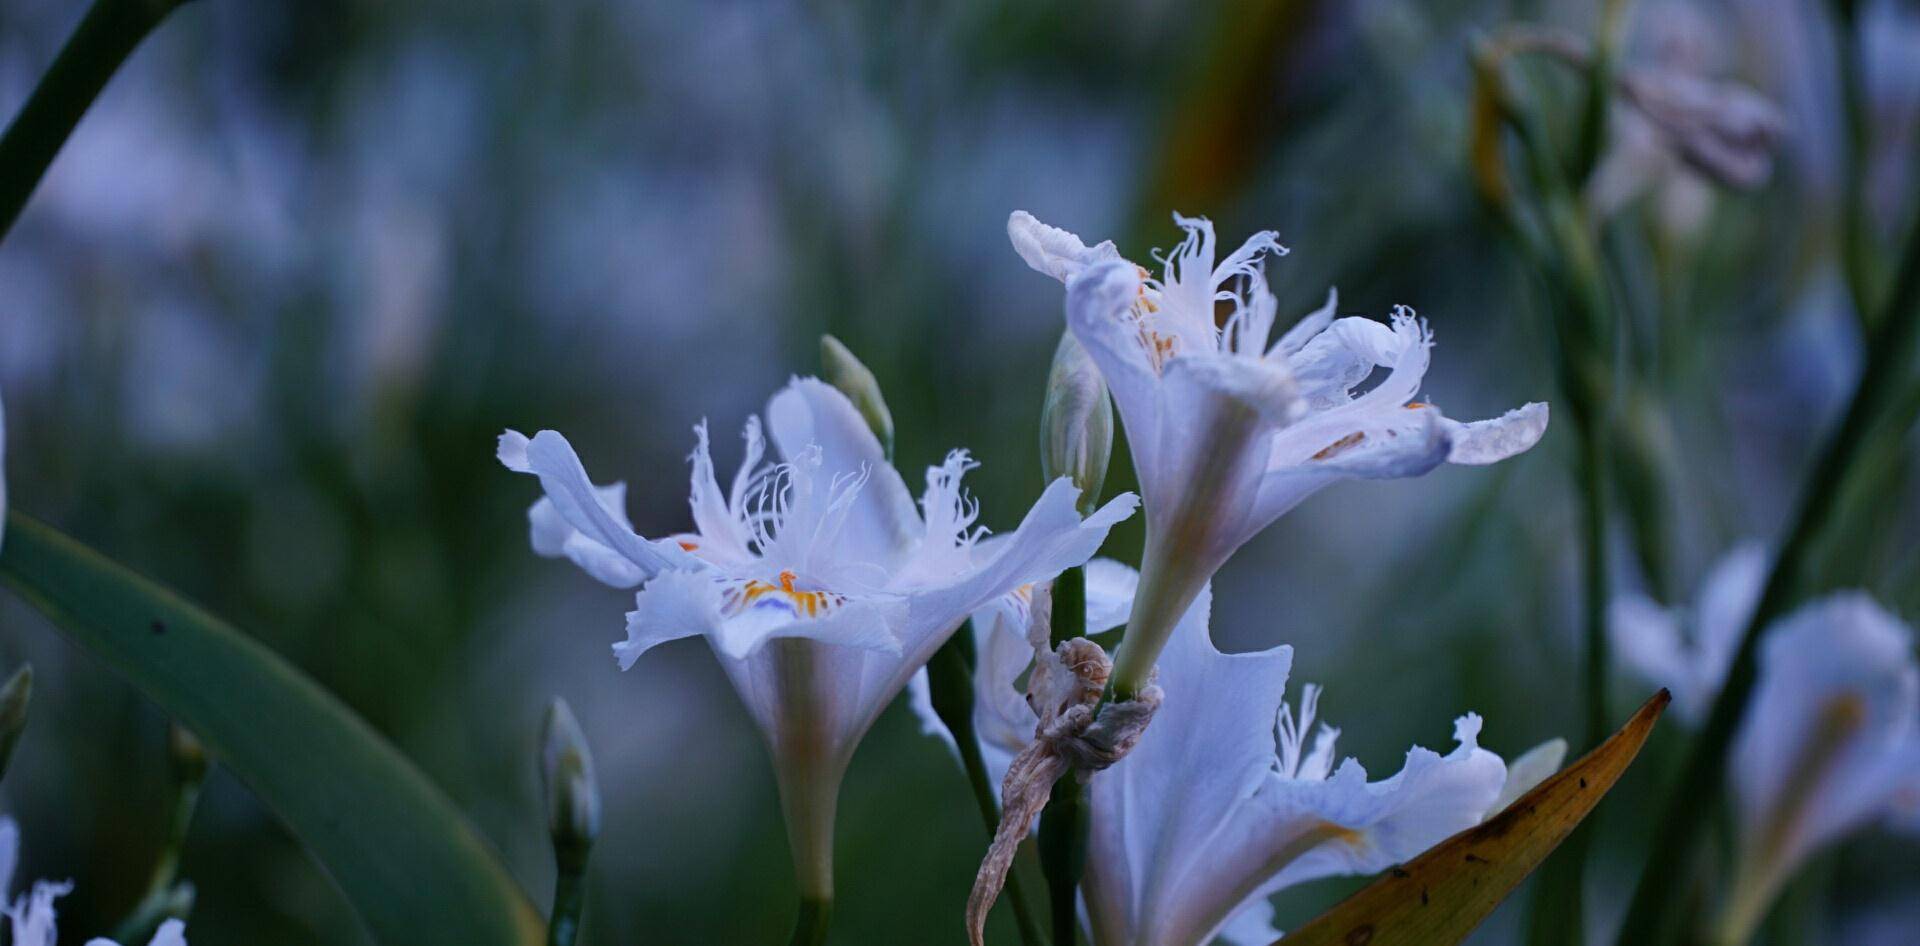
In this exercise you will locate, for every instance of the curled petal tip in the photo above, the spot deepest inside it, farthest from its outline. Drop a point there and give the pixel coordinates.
(511, 451)
(1051, 250)
(1466, 729)
(1490, 441)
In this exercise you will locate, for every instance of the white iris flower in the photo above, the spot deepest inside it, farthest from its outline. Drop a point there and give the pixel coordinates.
(819, 586)
(1229, 430)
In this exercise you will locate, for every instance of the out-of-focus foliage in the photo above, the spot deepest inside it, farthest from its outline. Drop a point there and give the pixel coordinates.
(303, 261)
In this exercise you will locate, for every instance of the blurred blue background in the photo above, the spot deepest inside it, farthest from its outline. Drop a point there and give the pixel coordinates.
(302, 262)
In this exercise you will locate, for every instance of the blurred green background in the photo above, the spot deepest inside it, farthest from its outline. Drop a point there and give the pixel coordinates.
(303, 262)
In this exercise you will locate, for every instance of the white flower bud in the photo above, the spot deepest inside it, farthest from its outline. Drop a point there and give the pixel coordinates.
(187, 755)
(572, 794)
(848, 374)
(1076, 423)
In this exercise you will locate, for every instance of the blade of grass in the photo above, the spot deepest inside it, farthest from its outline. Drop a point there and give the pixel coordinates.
(106, 36)
(1441, 896)
(411, 865)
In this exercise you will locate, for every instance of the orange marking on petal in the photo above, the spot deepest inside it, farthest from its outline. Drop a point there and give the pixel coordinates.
(1339, 445)
(688, 546)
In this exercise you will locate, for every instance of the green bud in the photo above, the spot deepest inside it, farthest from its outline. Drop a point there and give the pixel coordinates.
(854, 380)
(1076, 423)
(572, 795)
(187, 755)
(15, 695)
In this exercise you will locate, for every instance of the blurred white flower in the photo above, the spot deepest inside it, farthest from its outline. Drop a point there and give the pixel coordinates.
(818, 585)
(1687, 650)
(30, 916)
(1001, 717)
(1678, 129)
(1229, 432)
(1831, 738)
(1831, 742)
(1216, 809)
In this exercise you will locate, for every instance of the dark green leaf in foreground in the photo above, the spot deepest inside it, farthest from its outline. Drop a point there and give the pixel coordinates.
(408, 861)
(1440, 896)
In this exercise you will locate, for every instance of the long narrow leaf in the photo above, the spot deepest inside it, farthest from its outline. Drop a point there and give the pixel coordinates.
(1440, 896)
(413, 867)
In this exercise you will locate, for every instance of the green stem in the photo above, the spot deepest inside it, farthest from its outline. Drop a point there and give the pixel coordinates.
(1593, 525)
(1857, 256)
(163, 897)
(1591, 140)
(1565, 255)
(1558, 915)
(1878, 409)
(950, 684)
(106, 36)
(810, 926)
(569, 895)
(1063, 824)
(1063, 854)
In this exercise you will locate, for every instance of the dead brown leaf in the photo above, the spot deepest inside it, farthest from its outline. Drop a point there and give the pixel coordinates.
(1440, 896)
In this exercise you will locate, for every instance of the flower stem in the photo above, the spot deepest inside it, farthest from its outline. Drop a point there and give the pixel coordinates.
(1594, 464)
(1559, 912)
(810, 926)
(165, 897)
(569, 895)
(950, 684)
(1063, 824)
(1858, 260)
(1565, 256)
(1063, 854)
(1880, 408)
(106, 36)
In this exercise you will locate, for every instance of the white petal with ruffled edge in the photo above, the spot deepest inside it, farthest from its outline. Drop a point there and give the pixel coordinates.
(1212, 812)
(1054, 251)
(1382, 433)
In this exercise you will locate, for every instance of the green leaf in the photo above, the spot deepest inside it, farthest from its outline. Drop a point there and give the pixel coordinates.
(413, 867)
(1440, 896)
